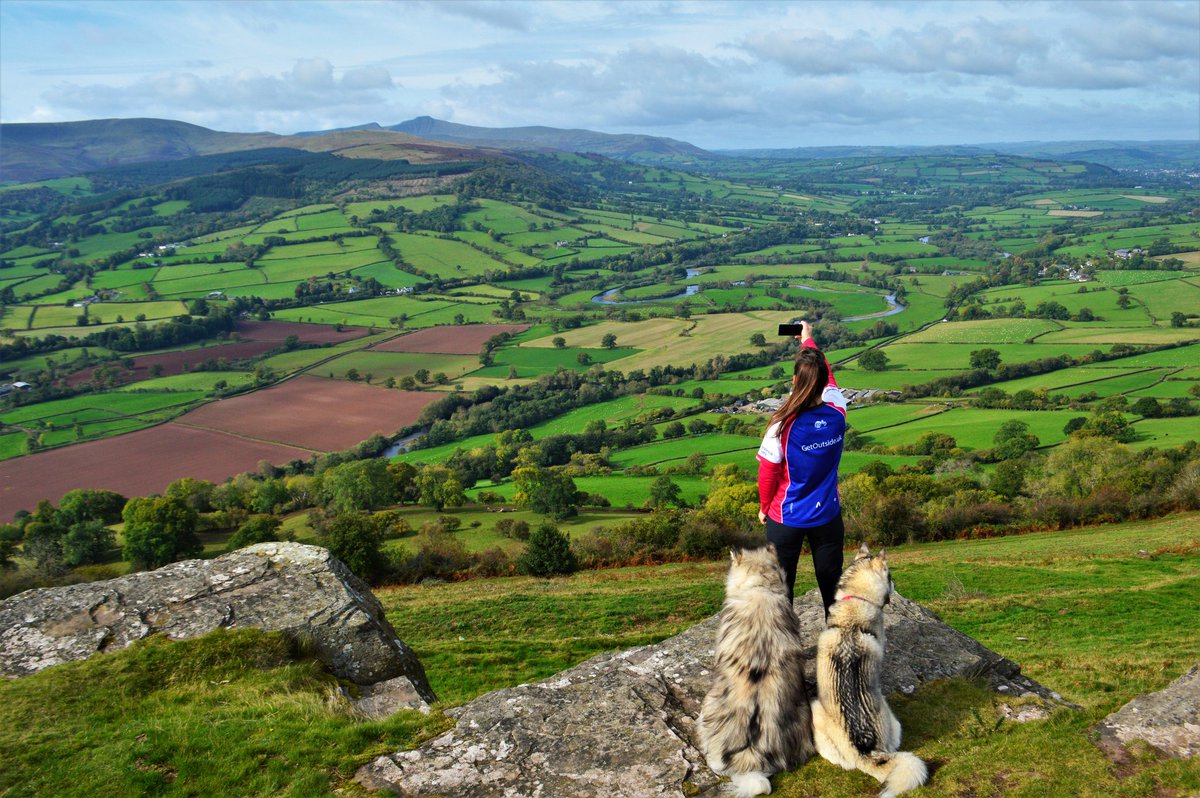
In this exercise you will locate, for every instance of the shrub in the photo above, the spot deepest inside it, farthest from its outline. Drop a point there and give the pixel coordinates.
(513, 528)
(440, 555)
(356, 538)
(548, 553)
(259, 529)
(709, 536)
(492, 562)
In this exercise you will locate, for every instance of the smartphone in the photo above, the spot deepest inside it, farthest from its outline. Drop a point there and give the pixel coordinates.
(791, 329)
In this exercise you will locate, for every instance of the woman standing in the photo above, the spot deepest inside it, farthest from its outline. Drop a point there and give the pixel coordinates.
(797, 471)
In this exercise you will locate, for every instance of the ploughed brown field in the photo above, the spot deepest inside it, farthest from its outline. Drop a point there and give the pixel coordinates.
(466, 339)
(261, 337)
(136, 464)
(312, 412)
(289, 421)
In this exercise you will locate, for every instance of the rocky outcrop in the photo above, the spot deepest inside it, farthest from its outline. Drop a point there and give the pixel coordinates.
(1168, 720)
(301, 590)
(624, 723)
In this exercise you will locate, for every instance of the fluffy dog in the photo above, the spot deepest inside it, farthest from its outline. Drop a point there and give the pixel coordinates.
(755, 720)
(853, 726)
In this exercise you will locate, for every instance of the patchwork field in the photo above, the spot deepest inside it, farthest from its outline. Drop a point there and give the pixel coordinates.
(148, 459)
(316, 414)
(456, 340)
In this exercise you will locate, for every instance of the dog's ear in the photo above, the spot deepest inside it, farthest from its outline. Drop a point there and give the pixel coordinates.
(863, 552)
(771, 548)
(735, 556)
(883, 554)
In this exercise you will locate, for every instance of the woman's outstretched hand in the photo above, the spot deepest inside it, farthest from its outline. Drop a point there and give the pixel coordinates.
(805, 331)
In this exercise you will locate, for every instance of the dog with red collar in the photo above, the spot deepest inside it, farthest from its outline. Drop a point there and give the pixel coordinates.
(853, 726)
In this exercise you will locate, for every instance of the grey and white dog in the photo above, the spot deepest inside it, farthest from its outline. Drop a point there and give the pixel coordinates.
(853, 726)
(755, 720)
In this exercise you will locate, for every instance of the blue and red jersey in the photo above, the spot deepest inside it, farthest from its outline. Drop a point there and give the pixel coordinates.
(797, 471)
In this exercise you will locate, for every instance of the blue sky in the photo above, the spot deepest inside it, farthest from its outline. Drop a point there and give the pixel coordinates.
(717, 74)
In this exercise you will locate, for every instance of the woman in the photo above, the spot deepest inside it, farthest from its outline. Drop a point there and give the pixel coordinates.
(797, 471)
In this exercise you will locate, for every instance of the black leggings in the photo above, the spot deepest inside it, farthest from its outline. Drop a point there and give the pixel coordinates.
(825, 541)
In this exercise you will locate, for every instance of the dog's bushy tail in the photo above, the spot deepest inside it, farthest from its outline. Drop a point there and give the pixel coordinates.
(899, 771)
(748, 785)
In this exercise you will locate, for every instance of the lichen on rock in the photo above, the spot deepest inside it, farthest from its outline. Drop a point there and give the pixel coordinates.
(301, 590)
(624, 723)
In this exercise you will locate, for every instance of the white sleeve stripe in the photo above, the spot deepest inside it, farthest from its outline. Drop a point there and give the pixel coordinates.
(835, 398)
(771, 450)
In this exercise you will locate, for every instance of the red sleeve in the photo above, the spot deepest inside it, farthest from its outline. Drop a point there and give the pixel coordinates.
(769, 475)
(811, 344)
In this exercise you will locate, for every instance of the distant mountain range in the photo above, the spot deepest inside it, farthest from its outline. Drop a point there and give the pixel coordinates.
(1113, 154)
(38, 151)
(623, 146)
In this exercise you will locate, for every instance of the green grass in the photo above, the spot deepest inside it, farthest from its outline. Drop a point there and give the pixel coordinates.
(232, 712)
(444, 258)
(240, 712)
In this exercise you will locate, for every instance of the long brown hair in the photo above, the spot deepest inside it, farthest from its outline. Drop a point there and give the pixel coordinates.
(809, 378)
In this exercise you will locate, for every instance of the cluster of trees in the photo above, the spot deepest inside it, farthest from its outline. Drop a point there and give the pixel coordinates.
(1088, 479)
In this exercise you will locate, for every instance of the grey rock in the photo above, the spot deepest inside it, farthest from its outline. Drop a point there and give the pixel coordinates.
(623, 724)
(1168, 720)
(301, 590)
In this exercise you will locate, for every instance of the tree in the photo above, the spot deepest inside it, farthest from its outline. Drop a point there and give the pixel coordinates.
(548, 553)
(1108, 424)
(583, 358)
(359, 485)
(695, 463)
(758, 339)
(1013, 439)
(1008, 478)
(356, 538)
(421, 375)
(873, 360)
(86, 505)
(673, 430)
(1147, 407)
(545, 490)
(44, 545)
(609, 341)
(439, 487)
(987, 359)
(1178, 319)
(195, 493)
(87, 542)
(559, 342)
(664, 492)
(159, 531)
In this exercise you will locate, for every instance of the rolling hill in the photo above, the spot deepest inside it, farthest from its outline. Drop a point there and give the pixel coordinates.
(39, 151)
(625, 146)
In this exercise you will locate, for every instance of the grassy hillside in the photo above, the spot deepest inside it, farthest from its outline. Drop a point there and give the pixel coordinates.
(1100, 615)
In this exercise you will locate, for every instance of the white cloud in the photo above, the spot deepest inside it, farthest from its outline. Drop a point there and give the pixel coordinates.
(719, 73)
(309, 84)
